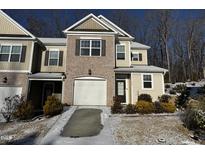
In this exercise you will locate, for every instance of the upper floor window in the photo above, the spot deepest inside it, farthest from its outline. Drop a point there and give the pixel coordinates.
(135, 56)
(53, 59)
(120, 49)
(147, 81)
(10, 53)
(90, 47)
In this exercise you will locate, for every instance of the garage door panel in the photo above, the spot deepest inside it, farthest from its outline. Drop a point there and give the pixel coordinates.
(7, 92)
(90, 92)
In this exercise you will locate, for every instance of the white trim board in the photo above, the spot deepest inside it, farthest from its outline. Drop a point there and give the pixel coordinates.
(85, 18)
(31, 79)
(114, 25)
(152, 80)
(15, 71)
(17, 25)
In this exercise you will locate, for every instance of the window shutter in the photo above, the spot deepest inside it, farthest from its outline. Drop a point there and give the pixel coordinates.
(103, 48)
(77, 50)
(61, 58)
(131, 56)
(23, 54)
(46, 58)
(140, 57)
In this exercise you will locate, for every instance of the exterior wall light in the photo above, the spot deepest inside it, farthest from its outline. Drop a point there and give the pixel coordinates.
(5, 80)
(89, 72)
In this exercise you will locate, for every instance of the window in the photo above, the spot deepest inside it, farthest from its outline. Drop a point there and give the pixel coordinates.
(53, 58)
(120, 52)
(10, 53)
(5, 52)
(136, 56)
(90, 47)
(147, 81)
(15, 53)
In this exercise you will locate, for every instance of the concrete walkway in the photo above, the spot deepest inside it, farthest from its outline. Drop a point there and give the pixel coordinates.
(104, 138)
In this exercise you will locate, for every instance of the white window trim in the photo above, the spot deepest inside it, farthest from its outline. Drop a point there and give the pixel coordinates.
(50, 50)
(142, 80)
(90, 47)
(120, 52)
(11, 45)
(137, 54)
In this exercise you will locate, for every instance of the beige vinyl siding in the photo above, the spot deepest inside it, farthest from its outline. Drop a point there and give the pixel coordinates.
(17, 65)
(126, 61)
(9, 28)
(156, 91)
(144, 57)
(53, 68)
(90, 24)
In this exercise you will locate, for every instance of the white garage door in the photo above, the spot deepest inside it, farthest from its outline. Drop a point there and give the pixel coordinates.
(8, 91)
(90, 91)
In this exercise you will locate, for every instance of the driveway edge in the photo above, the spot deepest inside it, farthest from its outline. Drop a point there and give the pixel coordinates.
(57, 128)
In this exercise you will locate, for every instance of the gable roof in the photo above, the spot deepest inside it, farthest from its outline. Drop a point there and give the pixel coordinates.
(52, 41)
(21, 28)
(118, 29)
(139, 45)
(96, 19)
(142, 68)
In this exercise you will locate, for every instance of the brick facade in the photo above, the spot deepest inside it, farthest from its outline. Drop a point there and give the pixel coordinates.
(78, 66)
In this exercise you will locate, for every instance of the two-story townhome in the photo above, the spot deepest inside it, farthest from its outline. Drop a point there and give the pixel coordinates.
(103, 61)
(17, 47)
(94, 62)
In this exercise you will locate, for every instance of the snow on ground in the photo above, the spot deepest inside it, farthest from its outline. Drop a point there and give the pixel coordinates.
(25, 132)
(104, 138)
(150, 129)
(1, 118)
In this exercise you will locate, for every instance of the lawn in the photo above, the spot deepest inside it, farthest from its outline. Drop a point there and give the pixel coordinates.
(151, 129)
(25, 132)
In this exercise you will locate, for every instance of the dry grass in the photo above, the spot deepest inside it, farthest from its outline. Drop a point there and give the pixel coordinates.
(148, 129)
(24, 132)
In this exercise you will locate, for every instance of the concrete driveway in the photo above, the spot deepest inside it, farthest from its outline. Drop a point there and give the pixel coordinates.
(105, 137)
(83, 123)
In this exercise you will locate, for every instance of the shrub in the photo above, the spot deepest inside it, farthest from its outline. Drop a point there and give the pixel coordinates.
(130, 109)
(180, 88)
(167, 107)
(193, 104)
(194, 119)
(158, 108)
(164, 98)
(24, 111)
(172, 92)
(9, 107)
(165, 104)
(52, 106)
(183, 98)
(145, 97)
(167, 86)
(117, 105)
(145, 107)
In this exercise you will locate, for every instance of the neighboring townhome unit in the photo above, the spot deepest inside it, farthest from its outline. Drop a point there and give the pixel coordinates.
(17, 47)
(48, 80)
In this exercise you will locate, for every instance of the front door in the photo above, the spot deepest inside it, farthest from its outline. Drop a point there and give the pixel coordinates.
(120, 90)
(48, 89)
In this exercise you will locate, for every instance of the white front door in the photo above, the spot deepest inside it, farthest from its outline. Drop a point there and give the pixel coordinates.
(7, 92)
(90, 91)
